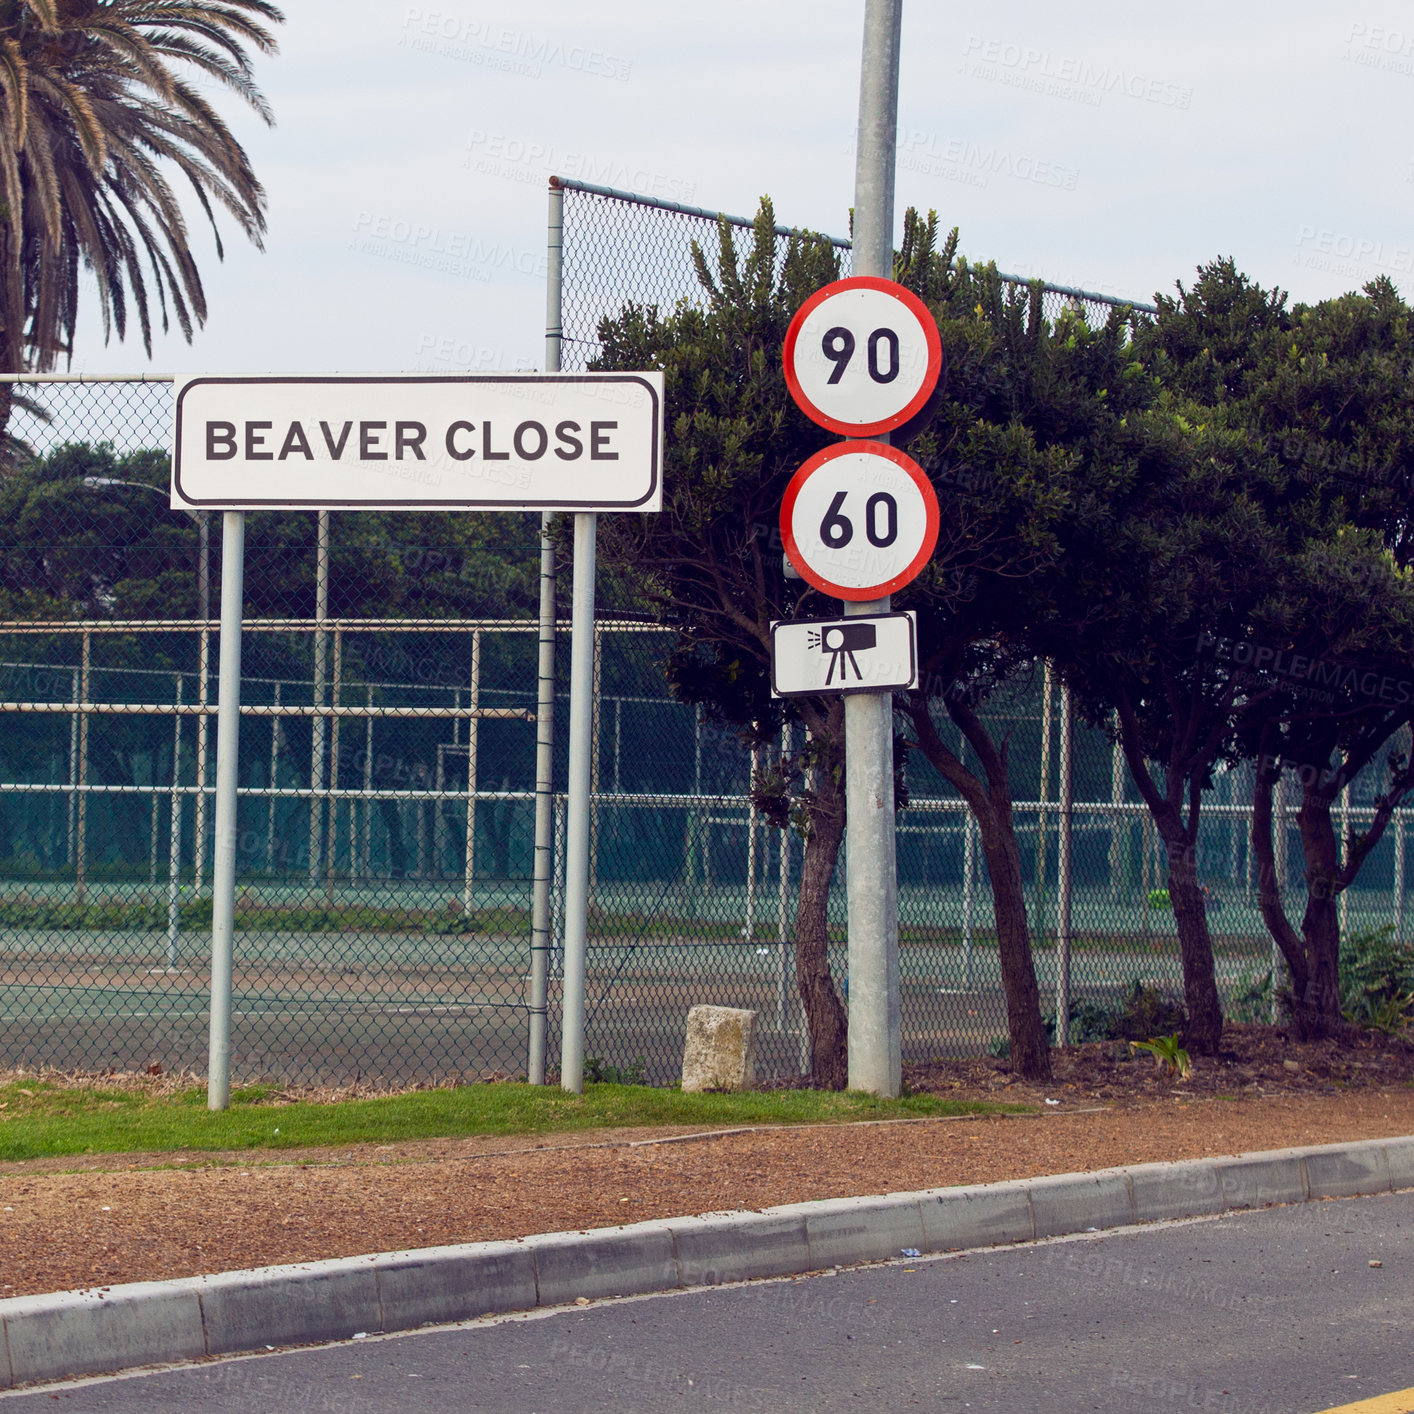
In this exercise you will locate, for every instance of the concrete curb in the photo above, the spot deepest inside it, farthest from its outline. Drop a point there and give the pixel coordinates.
(72, 1333)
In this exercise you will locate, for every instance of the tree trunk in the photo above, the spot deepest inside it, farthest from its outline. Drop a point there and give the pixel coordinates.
(825, 1016)
(1316, 1007)
(1200, 986)
(1269, 886)
(1029, 1049)
(990, 804)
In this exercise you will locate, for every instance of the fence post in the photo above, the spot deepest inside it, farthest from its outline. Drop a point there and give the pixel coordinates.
(749, 931)
(1119, 843)
(74, 718)
(81, 828)
(1280, 863)
(1399, 875)
(783, 906)
(316, 754)
(331, 806)
(469, 862)
(1043, 799)
(1343, 908)
(174, 846)
(969, 888)
(543, 879)
(1063, 866)
(202, 737)
(274, 782)
(223, 874)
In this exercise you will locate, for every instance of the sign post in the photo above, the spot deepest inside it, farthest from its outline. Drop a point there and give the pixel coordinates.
(862, 358)
(518, 442)
(875, 1033)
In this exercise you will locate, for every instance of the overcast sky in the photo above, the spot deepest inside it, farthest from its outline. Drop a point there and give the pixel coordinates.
(1105, 145)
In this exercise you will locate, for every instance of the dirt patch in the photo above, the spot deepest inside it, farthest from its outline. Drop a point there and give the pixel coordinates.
(1254, 1060)
(125, 1220)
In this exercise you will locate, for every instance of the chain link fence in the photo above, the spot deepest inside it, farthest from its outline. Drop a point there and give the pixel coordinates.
(721, 931)
(386, 806)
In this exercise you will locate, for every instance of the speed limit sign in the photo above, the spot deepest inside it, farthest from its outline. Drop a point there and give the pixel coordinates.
(862, 356)
(859, 520)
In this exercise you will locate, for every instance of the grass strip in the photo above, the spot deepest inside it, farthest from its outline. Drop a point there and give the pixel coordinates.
(40, 1119)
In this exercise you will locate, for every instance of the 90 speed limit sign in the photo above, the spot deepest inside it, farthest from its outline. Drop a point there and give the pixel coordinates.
(859, 520)
(862, 356)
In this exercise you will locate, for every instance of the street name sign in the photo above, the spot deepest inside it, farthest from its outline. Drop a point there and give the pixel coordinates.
(511, 442)
(866, 653)
(859, 520)
(862, 356)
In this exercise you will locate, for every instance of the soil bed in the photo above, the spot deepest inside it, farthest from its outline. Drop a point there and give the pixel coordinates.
(1253, 1060)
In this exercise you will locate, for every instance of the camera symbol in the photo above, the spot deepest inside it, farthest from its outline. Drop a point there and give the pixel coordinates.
(842, 642)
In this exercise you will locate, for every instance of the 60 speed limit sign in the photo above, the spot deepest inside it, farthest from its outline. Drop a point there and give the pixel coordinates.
(862, 356)
(859, 520)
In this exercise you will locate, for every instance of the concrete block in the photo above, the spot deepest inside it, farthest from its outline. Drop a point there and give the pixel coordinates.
(440, 1284)
(290, 1305)
(721, 1247)
(720, 1053)
(1187, 1189)
(1346, 1170)
(845, 1230)
(618, 1261)
(1399, 1155)
(988, 1215)
(82, 1332)
(1255, 1180)
(1076, 1202)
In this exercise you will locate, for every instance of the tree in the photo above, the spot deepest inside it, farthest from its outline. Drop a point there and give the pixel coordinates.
(1323, 399)
(1338, 690)
(100, 105)
(1205, 551)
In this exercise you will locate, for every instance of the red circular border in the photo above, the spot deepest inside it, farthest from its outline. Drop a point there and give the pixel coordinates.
(930, 535)
(930, 334)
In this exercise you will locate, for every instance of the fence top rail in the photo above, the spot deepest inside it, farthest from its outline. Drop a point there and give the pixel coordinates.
(634, 199)
(839, 242)
(87, 378)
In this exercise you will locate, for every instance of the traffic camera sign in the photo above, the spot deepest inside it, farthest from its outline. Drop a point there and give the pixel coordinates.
(869, 653)
(859, 520)
(862, 356)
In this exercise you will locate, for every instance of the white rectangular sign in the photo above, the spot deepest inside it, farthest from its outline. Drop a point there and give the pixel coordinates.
(511, 442)
(867, 653)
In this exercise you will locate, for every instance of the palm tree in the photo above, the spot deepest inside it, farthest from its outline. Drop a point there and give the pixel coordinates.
(99, 111)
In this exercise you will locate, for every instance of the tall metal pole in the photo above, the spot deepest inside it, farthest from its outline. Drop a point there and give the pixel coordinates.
(545, 698)
(223, 873)
(577, 832)
(875, 1053)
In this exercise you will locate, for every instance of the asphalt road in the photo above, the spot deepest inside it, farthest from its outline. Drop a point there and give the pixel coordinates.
(1275, 1312)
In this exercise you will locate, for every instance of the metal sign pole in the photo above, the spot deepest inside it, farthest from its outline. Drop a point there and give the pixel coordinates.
(577, 834)
(875, 1052)
(223, 876)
